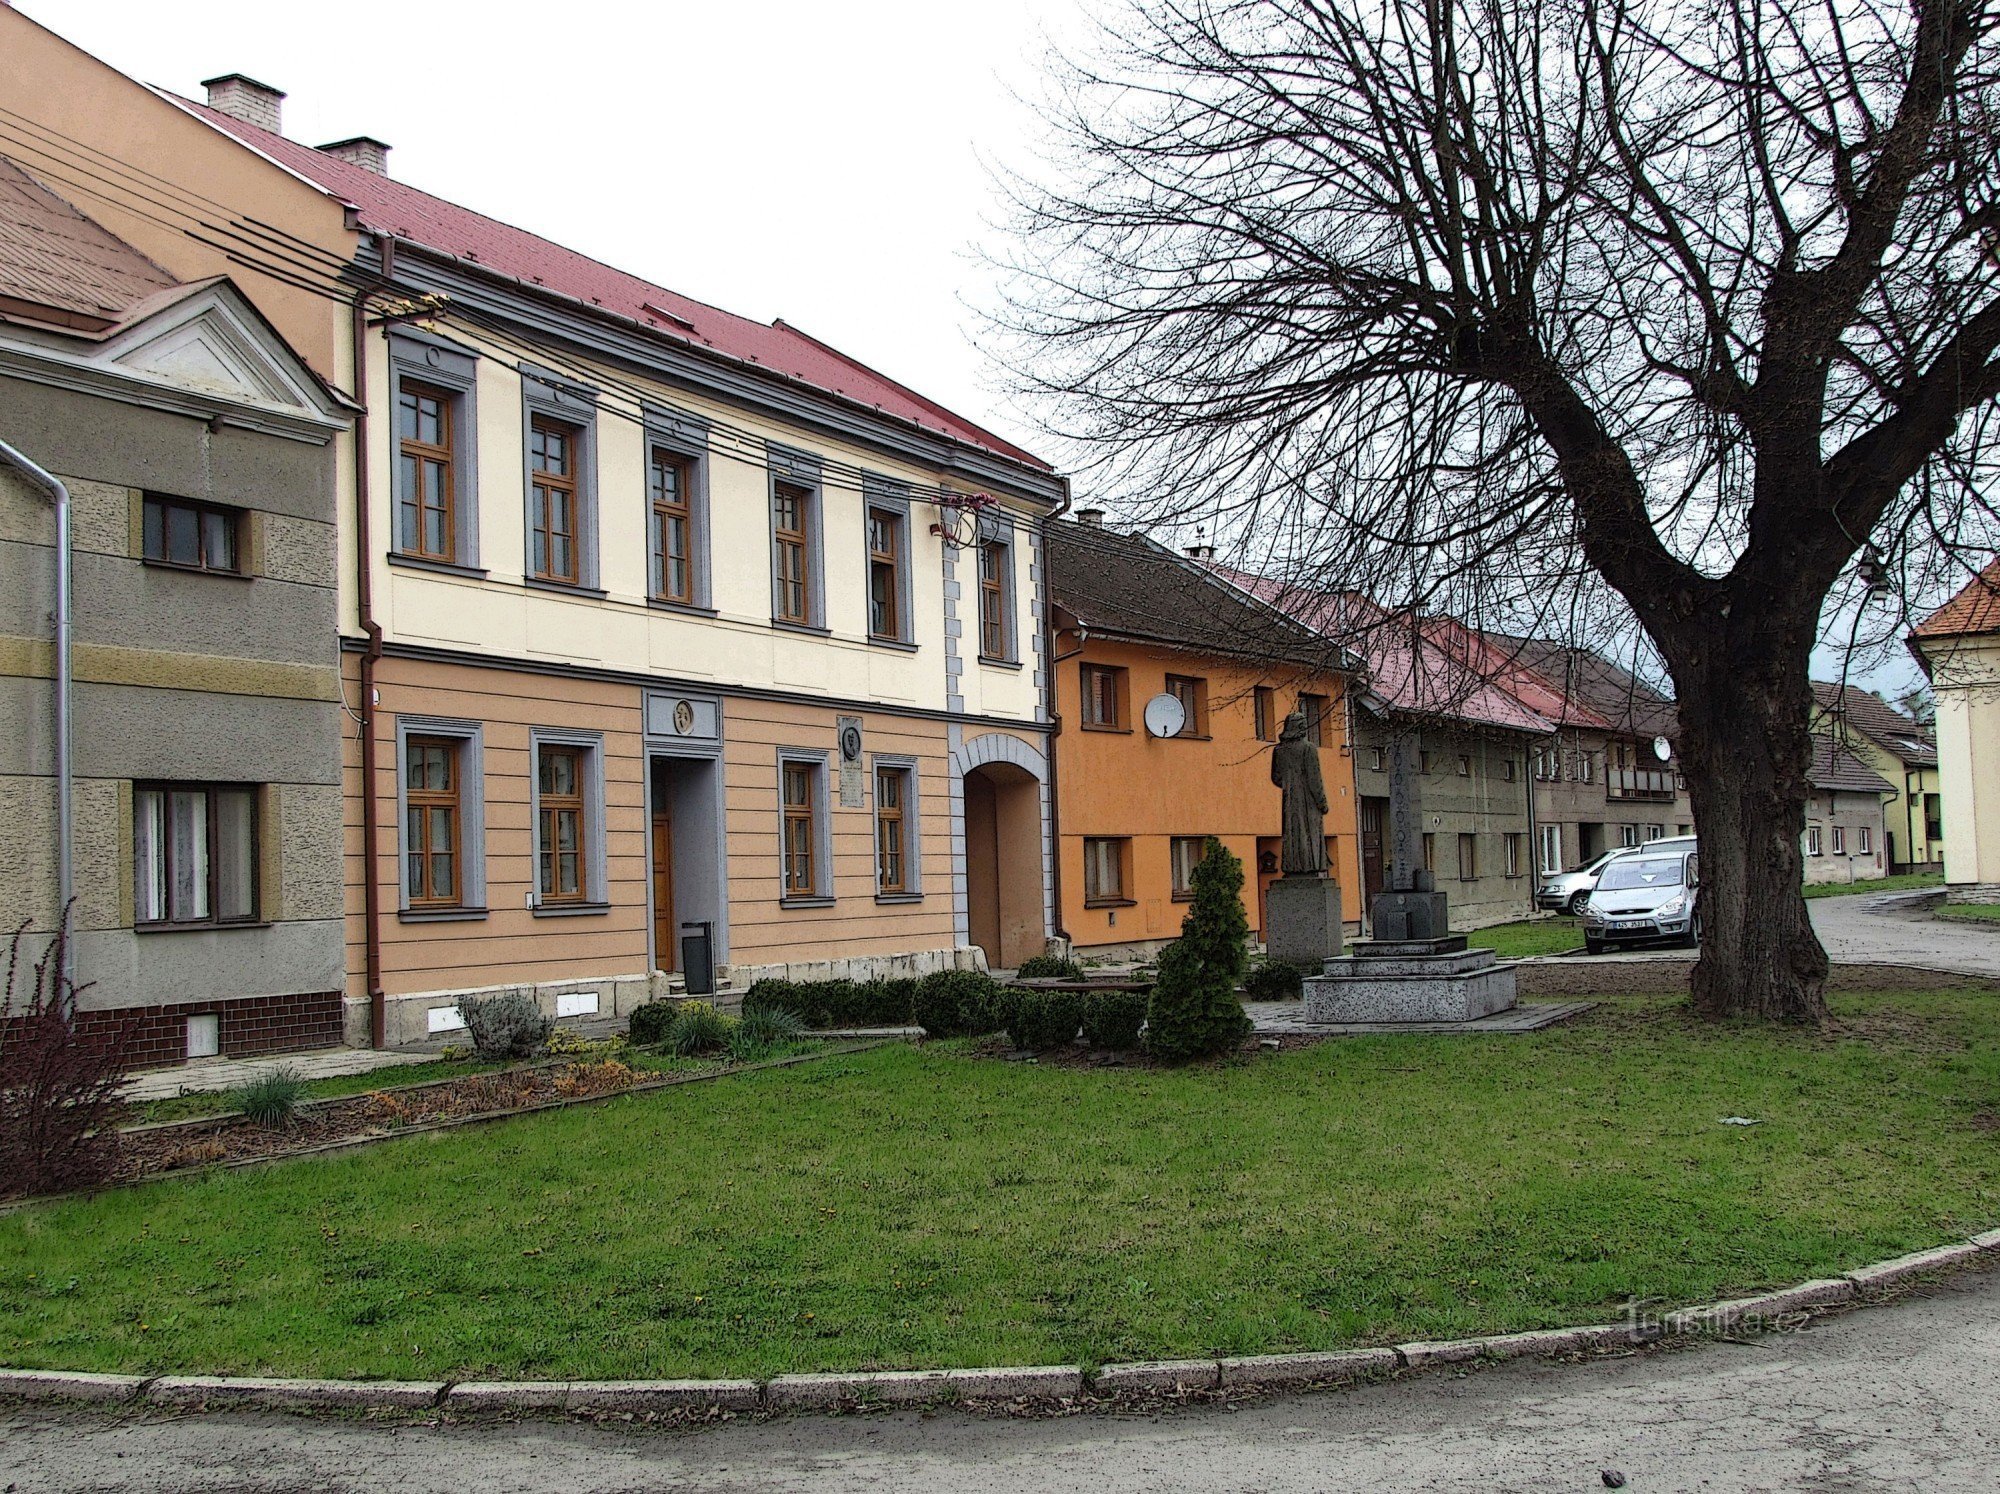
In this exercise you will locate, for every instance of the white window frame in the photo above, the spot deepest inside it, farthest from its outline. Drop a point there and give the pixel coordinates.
(1552, 840)
(1813, 840)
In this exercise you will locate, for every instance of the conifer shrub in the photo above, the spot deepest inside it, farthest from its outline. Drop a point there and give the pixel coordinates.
(1273, 980)
(957, 1003)
(649, 1024)
(1049, 967)
(1195, 1012)
(1112, 1019)
(509, 1025)
(1040, 1020)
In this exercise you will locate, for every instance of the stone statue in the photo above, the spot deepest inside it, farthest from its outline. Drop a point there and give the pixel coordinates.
(1295, 770)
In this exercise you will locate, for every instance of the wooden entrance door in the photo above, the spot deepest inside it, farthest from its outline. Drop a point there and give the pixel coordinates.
(666, 947)
(1374, 816)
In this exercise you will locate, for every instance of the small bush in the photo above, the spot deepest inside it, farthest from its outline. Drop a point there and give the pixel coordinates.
(697, 1028)
(1040, 1020)
(888, 1003)
(58, 1090)
(271, 1100)
(649, 1024)
(1112, 1019)
(509, 1025)
(1194, 1011)
(957, 1003)
(1274, 980)
(763, 1031)
(1049, 967)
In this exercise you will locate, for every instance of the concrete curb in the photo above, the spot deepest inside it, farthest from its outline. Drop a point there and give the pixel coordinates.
(1043, 1384)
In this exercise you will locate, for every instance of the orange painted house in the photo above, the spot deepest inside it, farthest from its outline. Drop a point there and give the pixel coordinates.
(1136, 626)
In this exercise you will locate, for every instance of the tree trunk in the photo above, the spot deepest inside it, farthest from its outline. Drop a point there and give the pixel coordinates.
(1745, 747)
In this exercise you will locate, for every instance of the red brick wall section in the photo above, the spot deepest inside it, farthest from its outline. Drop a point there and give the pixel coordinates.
(250, 1025)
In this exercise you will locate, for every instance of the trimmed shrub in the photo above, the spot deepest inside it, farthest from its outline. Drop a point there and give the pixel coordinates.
(788, 995)
(1049, 967)
(1195, 1011)
(1040, 1020)
(1273, 980)
(509, 1025)
(1112, 1019)
(837, 1003)
(888, 1003)
(697, 1028)
(957, 1003)
(762, 1031)
(58, 1090)
(649, 1024)
(270, 1100)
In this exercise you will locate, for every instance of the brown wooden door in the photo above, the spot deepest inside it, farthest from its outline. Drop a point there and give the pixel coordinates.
(666, 946)
(1374, 815)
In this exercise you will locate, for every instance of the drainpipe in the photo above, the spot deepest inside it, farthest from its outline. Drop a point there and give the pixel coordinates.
(52, 485)
(1059, 929)
(364, 596)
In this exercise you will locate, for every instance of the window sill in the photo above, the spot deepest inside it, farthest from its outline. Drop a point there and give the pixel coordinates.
(195, 570)
(813, 629)
(440, 915)
(815, 901)
(1189, 736)
(986, 661)
(439, 567)
(691, 609)
(564, 588)
(1109, 902)
(570, 910)
(199, 928)
(1117, 731)
(901, 645)
(899, 897)
(1182, 897)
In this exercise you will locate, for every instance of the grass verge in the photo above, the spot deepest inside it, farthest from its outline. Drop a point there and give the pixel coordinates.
(1875, 884)
(909, 1207)
(1531, 936)
(1971, 912)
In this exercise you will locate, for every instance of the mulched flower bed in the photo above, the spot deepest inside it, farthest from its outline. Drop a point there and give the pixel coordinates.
(380, 1113)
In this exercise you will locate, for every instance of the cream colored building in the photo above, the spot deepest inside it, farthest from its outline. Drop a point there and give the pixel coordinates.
(1959, 648)
(658, 624)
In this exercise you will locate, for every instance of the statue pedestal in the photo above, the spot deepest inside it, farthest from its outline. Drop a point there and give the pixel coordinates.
(1398, 917)
(1417, 980)
(1305, 921)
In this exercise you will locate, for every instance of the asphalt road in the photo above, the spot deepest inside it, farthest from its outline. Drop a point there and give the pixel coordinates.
(1885, 928)
(1896, 1397)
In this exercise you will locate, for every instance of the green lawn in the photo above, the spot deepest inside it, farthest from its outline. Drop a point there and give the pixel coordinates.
(1531, 936)
(905, 1207)
(1876, 884)
(1981, 912)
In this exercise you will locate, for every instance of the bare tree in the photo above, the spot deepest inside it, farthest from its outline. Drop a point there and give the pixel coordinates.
(1496, 303)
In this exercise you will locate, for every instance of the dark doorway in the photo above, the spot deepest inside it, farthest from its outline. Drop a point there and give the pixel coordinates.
(1374, 816)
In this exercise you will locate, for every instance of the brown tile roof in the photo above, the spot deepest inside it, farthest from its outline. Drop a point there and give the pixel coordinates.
(390, 207)
(1601, 688)
(1125, 584)
(61, 269)
(1879, 721)
(1836, 767)
(1976, 609)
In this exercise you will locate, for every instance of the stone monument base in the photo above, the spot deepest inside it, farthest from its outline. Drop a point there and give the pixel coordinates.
(1305, 921)
(1419, 980)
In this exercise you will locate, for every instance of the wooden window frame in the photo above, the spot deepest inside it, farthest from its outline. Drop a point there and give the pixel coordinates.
(1464, 765)
(1430, 851)
(451, 798)
(892, 832)
(661, 513)
(885, 570)
(442, 454)
(994, 632)
(794, 816)
(796, 543)
(1117, 675)
(1264, 712)
(1183, 890)
(1121, 856)
(1317, 708)
(231, 520)
(543, 481)
(212, 822)
(1468, 856)
(549, 808)
(1192, 692)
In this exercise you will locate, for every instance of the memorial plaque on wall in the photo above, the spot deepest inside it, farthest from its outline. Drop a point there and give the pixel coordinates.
(853, 792)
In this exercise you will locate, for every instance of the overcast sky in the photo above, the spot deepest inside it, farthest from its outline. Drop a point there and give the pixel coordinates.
(823, 163)
(816, 162)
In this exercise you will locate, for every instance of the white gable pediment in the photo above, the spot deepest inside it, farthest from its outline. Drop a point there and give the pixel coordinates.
(210, 343)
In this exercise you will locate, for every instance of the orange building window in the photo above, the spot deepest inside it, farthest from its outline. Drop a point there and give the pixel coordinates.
(1104, 871)
(1103, 698)
(1192, 693)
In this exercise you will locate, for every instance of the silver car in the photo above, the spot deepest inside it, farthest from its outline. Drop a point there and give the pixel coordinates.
(1567, 892)
(1644, 897)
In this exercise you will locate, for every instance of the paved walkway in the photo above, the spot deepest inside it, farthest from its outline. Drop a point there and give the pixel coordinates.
(1277, 1018)
(1893, 1398)
(1897, 929)
(206, 1074)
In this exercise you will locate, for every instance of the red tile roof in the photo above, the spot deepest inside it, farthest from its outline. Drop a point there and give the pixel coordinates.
(1976, 609)
(393, 208)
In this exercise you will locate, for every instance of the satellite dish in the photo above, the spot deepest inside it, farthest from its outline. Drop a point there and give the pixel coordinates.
(1165, 716)
(1662, 748)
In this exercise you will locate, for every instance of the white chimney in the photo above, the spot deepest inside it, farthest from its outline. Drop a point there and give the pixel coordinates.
(364, 151)
(246, 99)
(1094, 517)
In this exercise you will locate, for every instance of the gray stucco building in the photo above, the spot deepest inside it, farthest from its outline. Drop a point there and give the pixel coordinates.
(197, 451)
